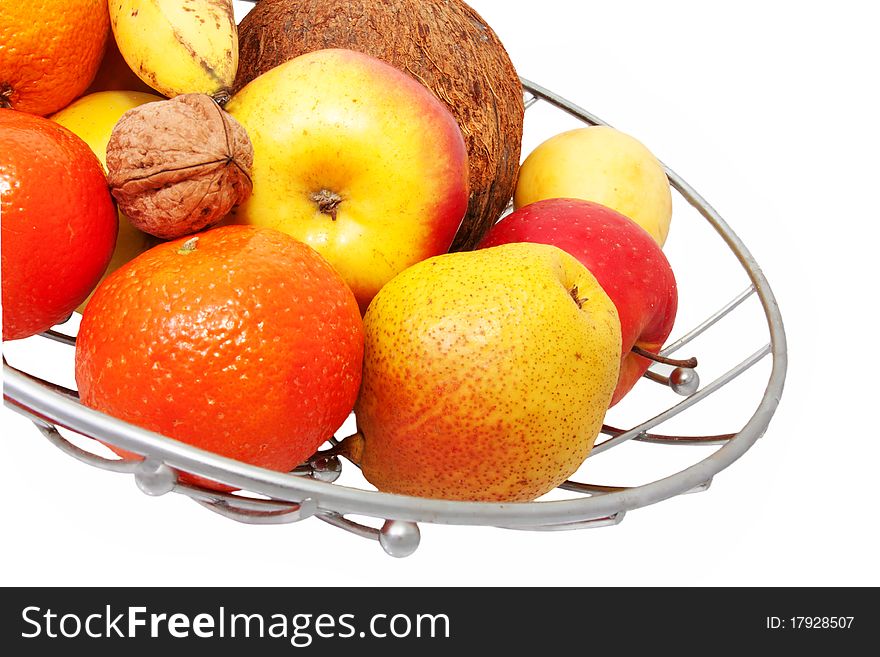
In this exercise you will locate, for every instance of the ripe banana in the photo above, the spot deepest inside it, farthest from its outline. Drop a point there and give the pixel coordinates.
(178, 46)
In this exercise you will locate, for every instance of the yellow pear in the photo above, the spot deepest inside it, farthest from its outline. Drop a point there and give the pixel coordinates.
(487, 375)
(92, 118)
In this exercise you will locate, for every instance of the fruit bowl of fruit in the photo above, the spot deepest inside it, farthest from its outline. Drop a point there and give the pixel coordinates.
(302, 249)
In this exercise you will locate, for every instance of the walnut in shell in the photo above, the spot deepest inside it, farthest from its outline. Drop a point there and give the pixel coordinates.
(178, 166)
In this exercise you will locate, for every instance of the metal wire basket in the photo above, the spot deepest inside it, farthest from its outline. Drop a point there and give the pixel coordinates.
(310, 489)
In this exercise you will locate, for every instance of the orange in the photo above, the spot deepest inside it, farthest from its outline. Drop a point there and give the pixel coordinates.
(49, 51)
(59, 222)
(241, 341)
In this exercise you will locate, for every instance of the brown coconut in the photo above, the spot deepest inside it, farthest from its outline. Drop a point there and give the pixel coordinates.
(443, 43)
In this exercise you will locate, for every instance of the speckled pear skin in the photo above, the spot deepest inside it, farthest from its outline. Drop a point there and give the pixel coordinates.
(487, 374)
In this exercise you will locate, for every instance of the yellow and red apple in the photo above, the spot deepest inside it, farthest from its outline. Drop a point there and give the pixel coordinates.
(623, 257)
(357, 159)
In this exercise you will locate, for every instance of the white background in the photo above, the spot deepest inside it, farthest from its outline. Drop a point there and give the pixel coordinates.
(770, 111)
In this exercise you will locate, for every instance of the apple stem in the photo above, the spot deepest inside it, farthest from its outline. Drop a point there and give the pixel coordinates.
(327, 202)
(689, 363)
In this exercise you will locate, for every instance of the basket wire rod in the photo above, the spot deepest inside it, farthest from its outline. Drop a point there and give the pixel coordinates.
(307, 469)
(237, 502)
(296, 513)
(655, 377)
(69, 340)
(669, 413)
(708, 323)
(609, 521)
(245, 505)
(355, 528)
(398, 538)
(659, 439)
(555, 99)
(51, 433)
(113, 465)
(67, 392)
(597, 489)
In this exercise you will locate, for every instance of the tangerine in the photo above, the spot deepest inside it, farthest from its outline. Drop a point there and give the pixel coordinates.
(50, 51)
(239, 340)
(59, 222)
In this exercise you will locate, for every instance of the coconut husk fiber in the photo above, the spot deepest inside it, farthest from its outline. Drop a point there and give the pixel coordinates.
(443, 43)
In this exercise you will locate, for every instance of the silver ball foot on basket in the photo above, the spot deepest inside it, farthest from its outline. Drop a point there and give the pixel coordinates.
(684, 381)
(326, 468)
(154, 478)
(399, 538)
(320, 467)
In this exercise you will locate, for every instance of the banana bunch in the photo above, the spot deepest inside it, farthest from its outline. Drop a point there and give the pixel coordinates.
(178, 46)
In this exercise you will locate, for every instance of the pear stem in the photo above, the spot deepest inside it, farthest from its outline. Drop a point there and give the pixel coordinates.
(689, 363)
(576, 296)
(351, 448)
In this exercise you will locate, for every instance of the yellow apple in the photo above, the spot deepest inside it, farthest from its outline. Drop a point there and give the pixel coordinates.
(92, 118)
(486, 376)
(355, 158)
(602, 165)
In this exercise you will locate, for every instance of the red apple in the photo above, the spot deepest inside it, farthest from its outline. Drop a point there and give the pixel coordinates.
(623, 257)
